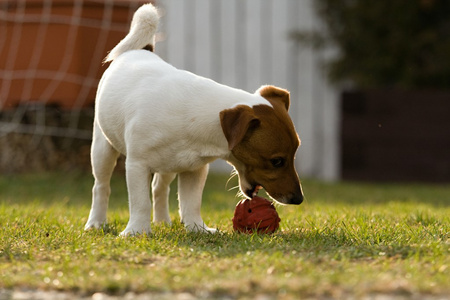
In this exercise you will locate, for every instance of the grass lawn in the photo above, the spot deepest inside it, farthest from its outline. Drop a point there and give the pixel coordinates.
(345, 239)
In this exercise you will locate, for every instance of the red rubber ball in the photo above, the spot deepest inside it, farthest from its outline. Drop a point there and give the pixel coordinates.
(255, 215)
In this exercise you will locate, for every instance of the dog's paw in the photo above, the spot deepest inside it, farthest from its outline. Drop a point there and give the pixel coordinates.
(200, 228)
(94, 224)
(211, 230)
(135, 230)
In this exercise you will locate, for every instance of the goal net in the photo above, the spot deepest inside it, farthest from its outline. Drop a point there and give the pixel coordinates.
(50, 64)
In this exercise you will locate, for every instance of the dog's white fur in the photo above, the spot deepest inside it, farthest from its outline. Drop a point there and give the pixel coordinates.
(142, 32)
(166, 122)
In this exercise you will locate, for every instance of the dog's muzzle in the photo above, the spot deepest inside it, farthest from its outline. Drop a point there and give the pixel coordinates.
(253, 191)
(295, 199)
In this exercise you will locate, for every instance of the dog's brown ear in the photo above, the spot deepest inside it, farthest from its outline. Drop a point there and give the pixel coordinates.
(236, 122)
(275, 94)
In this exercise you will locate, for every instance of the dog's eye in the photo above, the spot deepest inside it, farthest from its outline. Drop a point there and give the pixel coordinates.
(277, 162)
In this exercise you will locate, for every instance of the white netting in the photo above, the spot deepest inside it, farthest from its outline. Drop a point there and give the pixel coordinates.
(50, 64)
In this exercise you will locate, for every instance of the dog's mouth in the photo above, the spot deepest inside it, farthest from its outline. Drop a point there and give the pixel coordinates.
(253, 191)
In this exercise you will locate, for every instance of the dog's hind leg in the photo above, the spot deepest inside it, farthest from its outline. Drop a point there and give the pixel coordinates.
(103, 160)
(160, 192)
(138, 183)
(190, 190)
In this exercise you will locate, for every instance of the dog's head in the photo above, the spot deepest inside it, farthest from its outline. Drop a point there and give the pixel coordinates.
(263, 143)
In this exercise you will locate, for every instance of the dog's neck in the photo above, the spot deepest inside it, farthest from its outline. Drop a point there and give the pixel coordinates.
(220, 98)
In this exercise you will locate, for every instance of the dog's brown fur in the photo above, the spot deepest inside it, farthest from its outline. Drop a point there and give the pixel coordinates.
(264, 140)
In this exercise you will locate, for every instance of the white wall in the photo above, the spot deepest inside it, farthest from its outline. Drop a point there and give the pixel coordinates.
(245, 44)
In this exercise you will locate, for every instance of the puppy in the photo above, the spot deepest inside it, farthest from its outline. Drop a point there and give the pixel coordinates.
(168, 121)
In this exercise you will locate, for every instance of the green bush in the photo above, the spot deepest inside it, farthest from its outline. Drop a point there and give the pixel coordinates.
(401, 43)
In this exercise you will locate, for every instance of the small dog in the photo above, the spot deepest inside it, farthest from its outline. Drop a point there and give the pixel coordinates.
(168, 121)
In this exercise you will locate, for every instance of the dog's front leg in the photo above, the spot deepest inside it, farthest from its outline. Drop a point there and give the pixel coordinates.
(138, 184)
(190, 190)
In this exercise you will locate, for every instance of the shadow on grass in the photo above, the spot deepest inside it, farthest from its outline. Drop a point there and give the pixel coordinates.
(314, 245)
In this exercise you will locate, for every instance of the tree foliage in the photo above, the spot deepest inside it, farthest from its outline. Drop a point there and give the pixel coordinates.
(397, 43)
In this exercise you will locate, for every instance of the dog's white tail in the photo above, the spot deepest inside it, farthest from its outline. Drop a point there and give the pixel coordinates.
(142, 32)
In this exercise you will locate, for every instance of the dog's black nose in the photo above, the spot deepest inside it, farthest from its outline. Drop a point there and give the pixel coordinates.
(297, 199)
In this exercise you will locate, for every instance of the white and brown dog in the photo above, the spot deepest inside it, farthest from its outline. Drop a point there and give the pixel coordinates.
(168, 121)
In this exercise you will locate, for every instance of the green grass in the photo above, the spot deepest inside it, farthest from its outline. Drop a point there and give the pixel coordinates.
(346, 239)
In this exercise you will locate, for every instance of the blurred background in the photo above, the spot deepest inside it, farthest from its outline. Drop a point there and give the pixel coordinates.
(369, 80)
